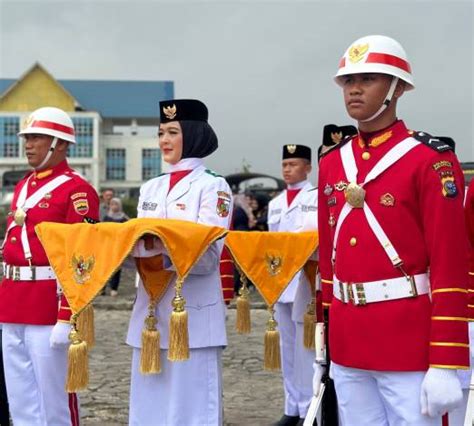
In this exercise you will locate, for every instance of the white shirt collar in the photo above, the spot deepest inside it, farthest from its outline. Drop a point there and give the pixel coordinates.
(186, 164)
(297, 185)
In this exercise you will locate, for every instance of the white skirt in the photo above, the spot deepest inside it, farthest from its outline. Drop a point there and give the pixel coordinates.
(185, 393)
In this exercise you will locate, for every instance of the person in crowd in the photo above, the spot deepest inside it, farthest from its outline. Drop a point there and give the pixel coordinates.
(294, 210)
(116, 215)
(34, 313)
(394, 275)
(184, 393)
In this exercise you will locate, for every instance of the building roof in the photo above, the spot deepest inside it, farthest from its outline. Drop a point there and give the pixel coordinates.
(114, 99)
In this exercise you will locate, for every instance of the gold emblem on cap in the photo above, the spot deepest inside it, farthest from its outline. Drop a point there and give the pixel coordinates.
(357, 52)
(336, 137)
(291, 149)
(170, 112)
(28, 120)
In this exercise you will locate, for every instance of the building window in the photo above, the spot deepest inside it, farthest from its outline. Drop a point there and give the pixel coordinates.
(151, 163)
(115, 164)
(84, 131)
(9, 141)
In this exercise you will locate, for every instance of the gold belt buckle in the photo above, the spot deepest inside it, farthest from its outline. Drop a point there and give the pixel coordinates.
(350, 293)
(341, 292)
(414, 291)
(361, 300)
(15, 272)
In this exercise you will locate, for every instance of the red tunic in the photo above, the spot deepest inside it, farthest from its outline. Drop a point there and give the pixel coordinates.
(469, 209)
(425, 224)
(36, 302)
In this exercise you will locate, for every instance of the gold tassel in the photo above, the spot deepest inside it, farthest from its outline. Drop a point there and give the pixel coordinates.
(242, 324)
(272, 361)
(78, 362)
(179, 338)
(309, 326)
(150, 362)
(85, 325)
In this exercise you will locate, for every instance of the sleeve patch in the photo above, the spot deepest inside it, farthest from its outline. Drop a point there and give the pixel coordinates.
(223, 204)
(81, 206)
(78, 195)
(440, 164)
(449, 188)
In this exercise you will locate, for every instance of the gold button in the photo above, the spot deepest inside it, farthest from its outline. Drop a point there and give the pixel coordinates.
(365, 155)
(13, 240)
(33, 184)
(353, 241)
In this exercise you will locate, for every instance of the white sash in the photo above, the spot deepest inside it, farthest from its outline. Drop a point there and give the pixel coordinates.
(27, 204)
(350, 169)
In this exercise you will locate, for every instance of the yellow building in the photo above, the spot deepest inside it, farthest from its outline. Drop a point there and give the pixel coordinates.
(111, 120)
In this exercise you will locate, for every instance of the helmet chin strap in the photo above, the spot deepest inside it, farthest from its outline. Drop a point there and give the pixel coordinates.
(48, 155)
(386, 102)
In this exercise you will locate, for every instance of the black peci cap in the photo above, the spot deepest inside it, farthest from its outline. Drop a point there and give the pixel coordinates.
(183, 109)
(333, 134)
(296, 151)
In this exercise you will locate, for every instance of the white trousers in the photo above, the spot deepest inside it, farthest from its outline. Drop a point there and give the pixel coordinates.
(35, 375)
(378, 398)
(185, 393)
(297, 362)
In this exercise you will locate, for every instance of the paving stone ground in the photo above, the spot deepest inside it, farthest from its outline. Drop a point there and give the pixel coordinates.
(251, 395)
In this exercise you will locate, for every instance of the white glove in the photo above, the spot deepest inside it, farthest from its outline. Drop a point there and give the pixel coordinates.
(317, 375)
(60, 335)
(471, 340)
(139, 249)
(440, 392)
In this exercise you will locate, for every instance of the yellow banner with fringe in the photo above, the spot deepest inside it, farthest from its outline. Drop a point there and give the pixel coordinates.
(84, 257)
(271, 259)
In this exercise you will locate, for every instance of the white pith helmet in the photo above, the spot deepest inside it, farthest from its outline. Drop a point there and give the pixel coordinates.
(376, 54)
(50, 121)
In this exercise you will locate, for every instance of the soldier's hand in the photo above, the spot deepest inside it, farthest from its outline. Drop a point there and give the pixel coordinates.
(59, 337)
(440, 392)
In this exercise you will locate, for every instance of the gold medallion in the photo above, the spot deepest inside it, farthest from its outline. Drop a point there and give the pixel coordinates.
(19, 216)
(355, 195)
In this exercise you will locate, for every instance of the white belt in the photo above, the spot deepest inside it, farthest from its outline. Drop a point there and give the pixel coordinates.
(381, 291)
(27, 273)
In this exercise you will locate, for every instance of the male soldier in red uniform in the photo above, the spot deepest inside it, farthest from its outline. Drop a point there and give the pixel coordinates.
(393, 253)
(34, 314)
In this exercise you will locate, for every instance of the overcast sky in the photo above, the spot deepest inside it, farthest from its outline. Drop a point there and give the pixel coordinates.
(264, 68)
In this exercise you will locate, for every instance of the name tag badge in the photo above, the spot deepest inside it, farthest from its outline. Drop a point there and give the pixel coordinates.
(149, 206)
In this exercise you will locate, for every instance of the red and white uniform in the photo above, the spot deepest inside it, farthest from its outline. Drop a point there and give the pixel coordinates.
(29, 308)
(469, 210)
(426, 226)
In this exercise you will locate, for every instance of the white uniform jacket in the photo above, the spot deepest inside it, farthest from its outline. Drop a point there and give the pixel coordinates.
(194, 198)
(300, 216)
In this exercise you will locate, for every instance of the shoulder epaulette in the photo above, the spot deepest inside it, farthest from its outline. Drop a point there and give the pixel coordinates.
(440, 144)
(212, 173)
(339, 145)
